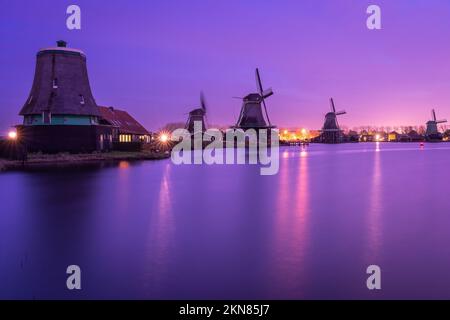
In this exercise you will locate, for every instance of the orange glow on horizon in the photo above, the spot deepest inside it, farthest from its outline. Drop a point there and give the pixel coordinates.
(295, 135)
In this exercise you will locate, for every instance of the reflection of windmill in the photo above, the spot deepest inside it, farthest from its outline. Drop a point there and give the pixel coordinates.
(331, 132)
(251, 116)
(432, 127)
(199, 115)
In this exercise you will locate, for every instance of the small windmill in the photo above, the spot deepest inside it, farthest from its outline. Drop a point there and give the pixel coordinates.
(331, 132)
(197, 115)
(432, 132)
(251, 115)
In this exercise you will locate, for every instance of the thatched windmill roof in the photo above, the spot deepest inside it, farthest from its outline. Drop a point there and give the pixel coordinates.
(61, 84)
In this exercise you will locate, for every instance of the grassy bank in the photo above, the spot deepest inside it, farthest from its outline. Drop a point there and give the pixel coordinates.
(66, 158)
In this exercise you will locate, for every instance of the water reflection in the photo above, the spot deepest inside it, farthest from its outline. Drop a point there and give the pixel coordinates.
(154, 230)
(291, 229)
(375, 209)
(160, 237)
(123, 165)
(123, 188)
(377, 146)
(304, 152)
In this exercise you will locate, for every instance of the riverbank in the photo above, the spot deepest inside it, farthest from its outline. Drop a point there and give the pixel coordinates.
(66, 158)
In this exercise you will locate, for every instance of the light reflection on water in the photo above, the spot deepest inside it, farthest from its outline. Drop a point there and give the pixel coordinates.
(291, 228)
(155, 230)
(375, 210)
(161, 228)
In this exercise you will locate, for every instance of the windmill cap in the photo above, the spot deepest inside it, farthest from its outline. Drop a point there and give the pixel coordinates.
(61, 47)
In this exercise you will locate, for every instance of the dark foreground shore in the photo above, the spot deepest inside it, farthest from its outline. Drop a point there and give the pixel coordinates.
(65, 158)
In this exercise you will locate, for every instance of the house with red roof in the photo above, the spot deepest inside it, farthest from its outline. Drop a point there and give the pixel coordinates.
(126, 128)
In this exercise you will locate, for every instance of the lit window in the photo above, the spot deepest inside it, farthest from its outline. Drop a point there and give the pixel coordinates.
(55, 83)
(125, 138)
(82, 99)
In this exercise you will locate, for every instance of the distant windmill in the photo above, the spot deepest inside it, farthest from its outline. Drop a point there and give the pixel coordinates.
(331, 132)
(199, 115)
(432, 133)
(251, 115)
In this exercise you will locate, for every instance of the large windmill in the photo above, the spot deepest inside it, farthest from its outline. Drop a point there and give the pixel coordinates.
(331, 132)
(251, 116)
(197, 115)
(432, 133)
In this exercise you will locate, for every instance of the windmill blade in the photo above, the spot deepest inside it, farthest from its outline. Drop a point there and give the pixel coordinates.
(339, 113)
(433, 114)
(203, 105)
(186, 125)
(441, 121)
(264, 94)
(333, 108)
(258, 82)
(202, 101)
(265, 110)
(240, 116)
(267, 93)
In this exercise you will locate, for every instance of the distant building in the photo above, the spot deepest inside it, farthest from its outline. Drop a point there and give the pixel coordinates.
(415, 137)
(393, 136)
(126, 128)
(365, 137)
(446, 135)
(353, 136)
(380, 136)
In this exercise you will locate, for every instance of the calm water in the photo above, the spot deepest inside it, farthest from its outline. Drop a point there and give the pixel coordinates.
(159, 231)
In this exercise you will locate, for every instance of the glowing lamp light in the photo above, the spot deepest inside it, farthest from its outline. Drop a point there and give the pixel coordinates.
(12, 135)
(164, 138)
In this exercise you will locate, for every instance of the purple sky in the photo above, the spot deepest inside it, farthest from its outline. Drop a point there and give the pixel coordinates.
(152, 58)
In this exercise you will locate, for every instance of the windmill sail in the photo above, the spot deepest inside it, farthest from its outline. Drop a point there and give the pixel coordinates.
(263, 94)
